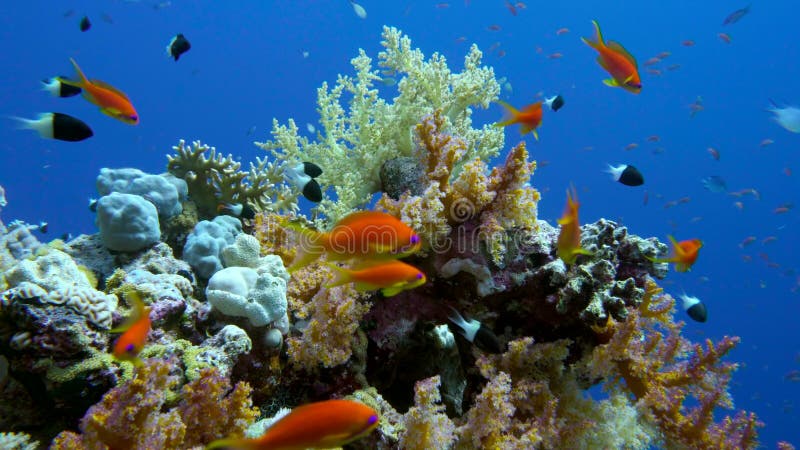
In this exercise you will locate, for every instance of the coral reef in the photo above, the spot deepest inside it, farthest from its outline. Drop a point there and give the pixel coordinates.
(214, 179)
(138, 415)
(354, 143)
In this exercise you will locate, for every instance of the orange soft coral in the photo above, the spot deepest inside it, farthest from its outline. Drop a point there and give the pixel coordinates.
(496, 203)
(662, 369)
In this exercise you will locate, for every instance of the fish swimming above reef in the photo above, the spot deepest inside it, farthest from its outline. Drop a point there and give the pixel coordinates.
(715, 184)
(134, 331)
(788, 116)
(736, 16)
(694, 308)
(626, 174)
(569, 238)
(85, 24)
(111, 100)
(477, 333)
(684, 254)
(530, 117)
(325, 424)
(620, 64)
(303, 177)
(58, 89)
(57, 126)
(554, 103)
(177, 46)
(390, 277)
(371, 235)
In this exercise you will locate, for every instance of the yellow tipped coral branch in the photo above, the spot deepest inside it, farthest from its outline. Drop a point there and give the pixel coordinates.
(662, 370)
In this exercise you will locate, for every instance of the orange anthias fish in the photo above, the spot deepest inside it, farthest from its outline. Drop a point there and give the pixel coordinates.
(569, 239)
(684, 254)
(134, 331)
(617, 62)
(372, 235)
(530, 117)
(326, 424)
(391, 277)
(111, 100)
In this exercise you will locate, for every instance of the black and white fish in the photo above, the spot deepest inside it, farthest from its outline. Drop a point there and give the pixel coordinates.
(302, 177)
(554, 103)
(58, 89)
(178, 46)
(477, 333)
(694, 308)
(57, 126)
(626, 174)
(85, 24)
(240, 210)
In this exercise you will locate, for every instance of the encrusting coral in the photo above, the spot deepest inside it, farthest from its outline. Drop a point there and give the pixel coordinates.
(353, 144)
(214, 179)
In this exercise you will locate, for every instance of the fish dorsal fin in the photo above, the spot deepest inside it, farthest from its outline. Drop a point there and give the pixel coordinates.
(104, 85)
(617, 47)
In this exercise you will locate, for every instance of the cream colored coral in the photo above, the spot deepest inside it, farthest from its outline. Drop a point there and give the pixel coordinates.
(96, 306)
(355, 139)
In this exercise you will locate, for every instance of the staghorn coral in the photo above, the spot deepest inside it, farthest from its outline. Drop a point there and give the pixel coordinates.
(132, 415)
(357, 141)
(214, 179)
(661, 369)
(480, 208)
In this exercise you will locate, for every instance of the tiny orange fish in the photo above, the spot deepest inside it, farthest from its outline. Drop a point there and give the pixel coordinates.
(561, 31)
(663, 55)
(673, 67)
(556, 55)
(134, 331)
(787, 171)
(653, 138)
(766, 142)
(511, 8)
(652, 62)
(325, 424)
(684, 254)
(617, 62)
(769, 239)
(688, 43)
(739, 205)
(569, 238)
(530, 117)
(501, 53)
(370, 235)
(724, 38)
(494, 27)
(391, 277)
(111, 100)
(442, 5)
(654, 72)
(747, 241)
(714, 153)
(631, 146)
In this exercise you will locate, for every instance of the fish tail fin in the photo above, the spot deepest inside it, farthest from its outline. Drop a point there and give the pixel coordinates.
(511, 116)
(341, 276)
(230, 444)
(536, 134)
(40, 124)
(83, 80)
(309, 246)
(137, 311)
(598, 42)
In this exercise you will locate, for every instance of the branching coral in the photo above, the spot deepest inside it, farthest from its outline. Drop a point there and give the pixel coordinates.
(131, 416)
(663, 370)
(356, 141)
(329, 336)
(426, 424)
(483, 207)
(214, 179)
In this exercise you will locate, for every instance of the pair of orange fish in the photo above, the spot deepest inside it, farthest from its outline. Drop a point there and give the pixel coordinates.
(375, 240)
(612, 57)
(684, 253)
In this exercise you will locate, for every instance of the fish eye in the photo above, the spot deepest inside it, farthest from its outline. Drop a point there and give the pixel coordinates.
(372, 419)
(419, 275)
(414, 239)
(130, 348)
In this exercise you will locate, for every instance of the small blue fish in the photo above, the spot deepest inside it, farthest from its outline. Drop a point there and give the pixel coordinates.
(715, 184)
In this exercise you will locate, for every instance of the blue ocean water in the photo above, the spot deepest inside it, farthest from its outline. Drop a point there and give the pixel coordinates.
(247, 66)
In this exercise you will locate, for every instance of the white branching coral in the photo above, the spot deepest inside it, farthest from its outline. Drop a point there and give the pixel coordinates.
(354, 141)
(214, 179)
